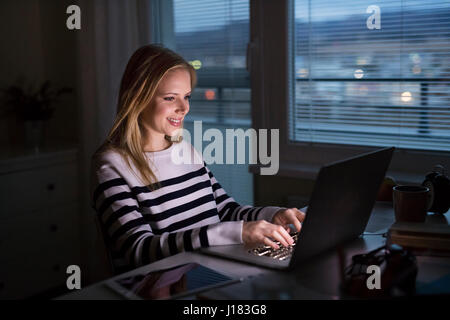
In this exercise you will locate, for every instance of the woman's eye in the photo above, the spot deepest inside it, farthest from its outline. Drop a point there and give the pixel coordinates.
(188, 97)
(169, 98)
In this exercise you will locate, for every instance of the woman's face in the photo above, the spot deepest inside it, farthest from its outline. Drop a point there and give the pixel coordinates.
(169, 106)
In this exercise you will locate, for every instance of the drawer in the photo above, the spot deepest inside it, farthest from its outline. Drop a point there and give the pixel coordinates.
(19, 280)
(35, 189)
(22, 279)
(23, 235)
(54, 271)
(41, 235)
(62, 185)
(64, 229)
(36, 251)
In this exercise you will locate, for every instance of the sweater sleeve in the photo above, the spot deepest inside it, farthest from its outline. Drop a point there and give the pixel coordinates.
(131, 236)
(230, 210)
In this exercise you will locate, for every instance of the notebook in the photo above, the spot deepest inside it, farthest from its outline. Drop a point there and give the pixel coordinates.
(338, 211)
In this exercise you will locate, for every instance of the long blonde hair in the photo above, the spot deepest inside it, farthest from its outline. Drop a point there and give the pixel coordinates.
(144, 71)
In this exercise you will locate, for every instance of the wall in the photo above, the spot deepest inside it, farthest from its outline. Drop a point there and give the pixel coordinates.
(37, 46)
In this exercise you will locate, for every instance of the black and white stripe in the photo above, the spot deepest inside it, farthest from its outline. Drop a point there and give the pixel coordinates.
(189, 211)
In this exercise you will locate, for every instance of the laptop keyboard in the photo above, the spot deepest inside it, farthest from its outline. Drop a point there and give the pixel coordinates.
(281, 253)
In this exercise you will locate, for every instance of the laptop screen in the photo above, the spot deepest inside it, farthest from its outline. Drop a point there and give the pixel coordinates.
(183, 280)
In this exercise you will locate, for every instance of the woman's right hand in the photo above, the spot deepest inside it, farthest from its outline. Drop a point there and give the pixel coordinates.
(263, 232)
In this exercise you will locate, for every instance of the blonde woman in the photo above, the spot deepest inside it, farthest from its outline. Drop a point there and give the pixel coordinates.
(148, 206)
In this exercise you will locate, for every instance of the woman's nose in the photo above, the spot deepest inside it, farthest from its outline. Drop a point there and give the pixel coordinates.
(183, 107)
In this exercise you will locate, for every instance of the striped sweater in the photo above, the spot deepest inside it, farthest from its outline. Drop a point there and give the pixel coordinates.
(189, 211)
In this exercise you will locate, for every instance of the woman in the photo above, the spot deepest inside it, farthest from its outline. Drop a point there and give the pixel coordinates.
(150, 207)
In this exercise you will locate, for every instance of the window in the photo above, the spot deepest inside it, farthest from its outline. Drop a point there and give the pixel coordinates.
(213, 35)
(368, 79)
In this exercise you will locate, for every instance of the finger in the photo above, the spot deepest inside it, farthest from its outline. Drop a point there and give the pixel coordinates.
(277, 236)
(296, 223)
(294, 217)
(301, 215)
(269, 242)
(287, 237)
(283, 237)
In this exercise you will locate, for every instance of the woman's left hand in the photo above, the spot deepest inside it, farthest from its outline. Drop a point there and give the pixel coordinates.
(285, 217)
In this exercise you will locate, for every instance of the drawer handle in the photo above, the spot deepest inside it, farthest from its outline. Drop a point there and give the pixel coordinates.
(53, 227)
(51, 187)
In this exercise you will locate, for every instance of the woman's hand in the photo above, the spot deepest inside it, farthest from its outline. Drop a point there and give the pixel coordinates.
(263, 232)
(285, 217)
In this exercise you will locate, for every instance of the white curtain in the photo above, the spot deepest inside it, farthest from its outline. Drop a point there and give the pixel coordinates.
(111, 30)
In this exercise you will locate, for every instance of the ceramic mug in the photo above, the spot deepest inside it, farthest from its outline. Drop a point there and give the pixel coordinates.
(410, 203)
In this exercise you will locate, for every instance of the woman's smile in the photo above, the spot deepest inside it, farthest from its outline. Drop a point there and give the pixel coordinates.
(176, 122)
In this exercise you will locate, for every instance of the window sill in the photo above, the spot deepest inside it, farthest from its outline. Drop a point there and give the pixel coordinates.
(310, 171)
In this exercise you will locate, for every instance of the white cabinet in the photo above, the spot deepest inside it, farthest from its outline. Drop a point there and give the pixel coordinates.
(39, 221)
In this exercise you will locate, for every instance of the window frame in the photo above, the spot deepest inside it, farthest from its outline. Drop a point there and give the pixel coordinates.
(273, 94)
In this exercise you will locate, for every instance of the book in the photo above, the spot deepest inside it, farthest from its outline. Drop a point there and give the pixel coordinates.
(425, 236)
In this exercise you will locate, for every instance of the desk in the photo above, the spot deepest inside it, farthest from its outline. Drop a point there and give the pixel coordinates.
(318, 279)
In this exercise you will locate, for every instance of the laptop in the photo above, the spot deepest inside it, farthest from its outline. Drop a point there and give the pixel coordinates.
(338, 211)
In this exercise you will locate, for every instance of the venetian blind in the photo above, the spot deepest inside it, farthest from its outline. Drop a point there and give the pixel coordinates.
(213, 36)
(371, 72)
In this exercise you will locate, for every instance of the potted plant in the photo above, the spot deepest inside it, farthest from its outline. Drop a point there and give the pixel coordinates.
(33, 106)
